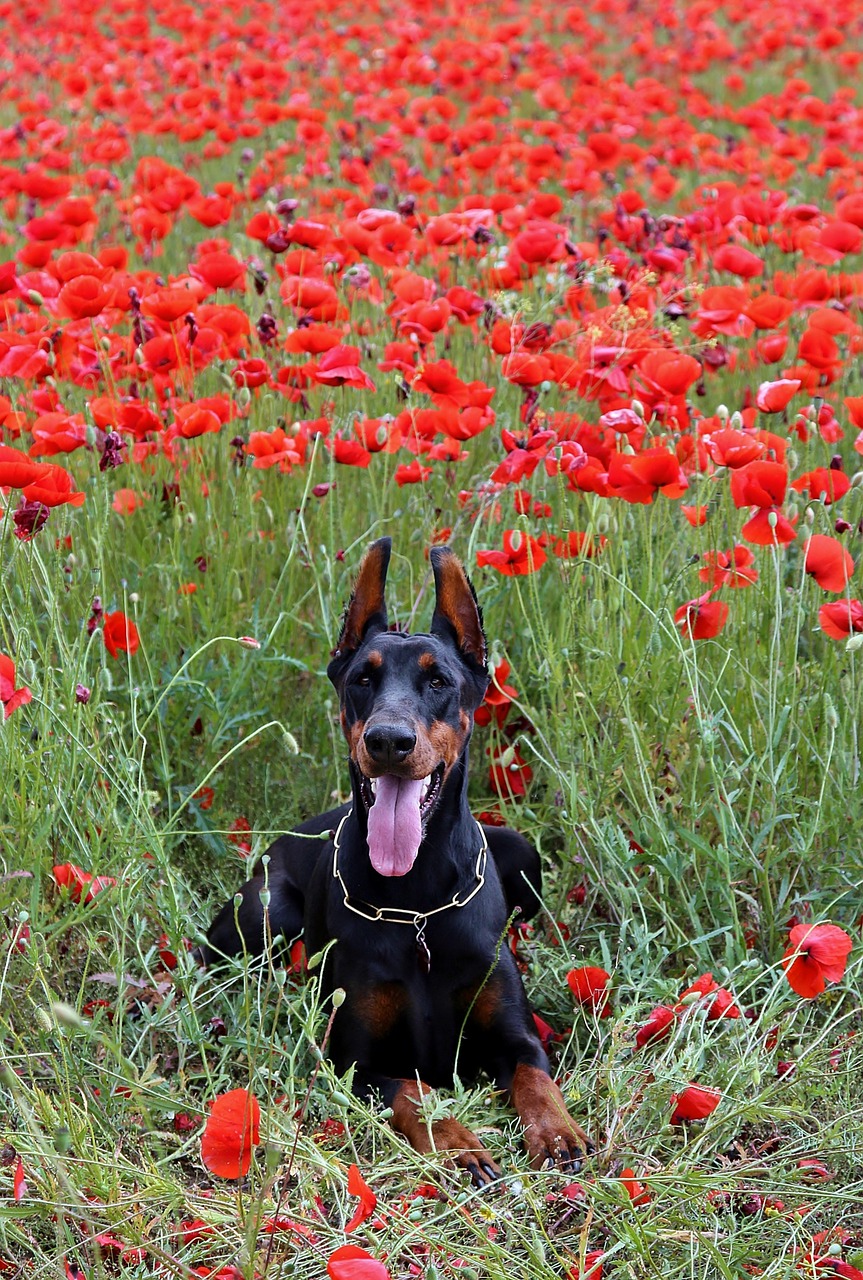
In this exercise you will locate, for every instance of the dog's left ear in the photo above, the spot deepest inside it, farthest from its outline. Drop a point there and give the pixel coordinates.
(457, 616)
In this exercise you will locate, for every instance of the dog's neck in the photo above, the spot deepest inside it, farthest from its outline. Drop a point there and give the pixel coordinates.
(447, 855)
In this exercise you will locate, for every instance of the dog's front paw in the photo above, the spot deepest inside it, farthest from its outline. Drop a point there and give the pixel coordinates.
(550, 1134)
(446, 1137)
(463, 1149)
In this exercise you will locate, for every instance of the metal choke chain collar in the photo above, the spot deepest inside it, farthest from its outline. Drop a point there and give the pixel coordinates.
(402, 915)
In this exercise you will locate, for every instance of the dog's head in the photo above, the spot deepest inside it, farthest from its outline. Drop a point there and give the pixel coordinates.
(407, 701)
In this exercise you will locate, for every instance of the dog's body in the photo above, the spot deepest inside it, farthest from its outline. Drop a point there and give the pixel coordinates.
(413, 894)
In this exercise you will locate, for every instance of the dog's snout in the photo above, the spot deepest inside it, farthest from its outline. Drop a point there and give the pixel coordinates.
(389, 744)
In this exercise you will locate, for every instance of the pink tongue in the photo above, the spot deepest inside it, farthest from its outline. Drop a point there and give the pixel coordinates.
(395, 829)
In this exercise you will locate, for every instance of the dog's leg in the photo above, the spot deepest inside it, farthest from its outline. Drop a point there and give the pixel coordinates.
(519, 1065)
(550, 1133)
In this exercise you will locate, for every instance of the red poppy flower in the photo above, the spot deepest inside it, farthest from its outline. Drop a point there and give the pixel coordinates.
(739, 261)
(637, 1191)
(706, 991)
(773, 397)
(695, 1102)
(83, 298)
(340, 367)
(120, 634)
(592, 1261)
(827, 561)
(441, 381)
(589, 986)
(10, 697)
(657, 1026)
(817, 954)
(578, 544)
(17, 470)
(498, 697)
(671, 372)
(825, 484)
(231, 1132)
(350, 1262)
(729, 568)
(521, 554)
(733, 449)
(701, 619)
(509, 775)
(357, 1186)
(68, 876)
(53, 488)
(841, 618)
(219, 271)
(759, 484)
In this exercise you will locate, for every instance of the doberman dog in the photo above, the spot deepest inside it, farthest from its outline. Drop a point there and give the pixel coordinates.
(411, 891)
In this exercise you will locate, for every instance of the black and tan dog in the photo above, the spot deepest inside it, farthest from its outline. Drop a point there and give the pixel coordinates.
(413, 893)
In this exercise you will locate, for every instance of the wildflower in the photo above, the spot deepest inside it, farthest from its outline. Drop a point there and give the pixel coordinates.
(521, 554)
(827, 561)
(120, 634)
(816, 954)
(701, 619)
(10, 697)
(230, 1134)
(589, 986)
(695, 1102)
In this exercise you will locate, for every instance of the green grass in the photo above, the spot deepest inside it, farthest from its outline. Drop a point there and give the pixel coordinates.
(732, 763)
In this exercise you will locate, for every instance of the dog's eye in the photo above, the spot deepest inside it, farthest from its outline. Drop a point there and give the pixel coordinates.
(363, 681)
(437, 682)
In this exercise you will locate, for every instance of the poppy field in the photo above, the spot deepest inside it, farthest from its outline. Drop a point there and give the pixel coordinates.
(577, 289)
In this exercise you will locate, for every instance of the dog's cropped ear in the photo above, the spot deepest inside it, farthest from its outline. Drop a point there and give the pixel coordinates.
(456, 614)
(367, 610)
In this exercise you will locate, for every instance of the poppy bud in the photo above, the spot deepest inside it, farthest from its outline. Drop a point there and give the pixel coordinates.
(722, 413)
(737, 420)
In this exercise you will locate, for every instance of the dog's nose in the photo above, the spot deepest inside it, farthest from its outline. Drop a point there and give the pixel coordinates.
(389, 744)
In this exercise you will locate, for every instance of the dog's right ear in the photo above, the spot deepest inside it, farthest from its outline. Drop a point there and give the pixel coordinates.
(367, 610)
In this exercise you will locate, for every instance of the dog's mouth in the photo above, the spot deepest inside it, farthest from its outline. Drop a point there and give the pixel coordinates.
(398, 810)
